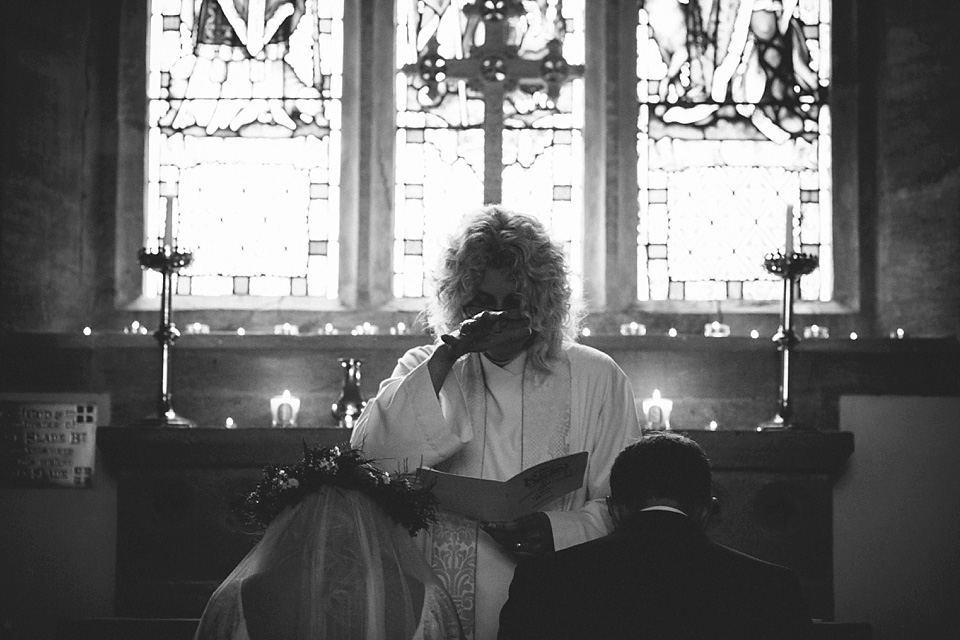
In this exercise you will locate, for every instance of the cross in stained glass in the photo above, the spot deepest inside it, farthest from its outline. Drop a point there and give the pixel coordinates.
(492, 66)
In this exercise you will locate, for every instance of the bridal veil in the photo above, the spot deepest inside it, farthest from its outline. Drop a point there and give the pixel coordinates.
(333, 566)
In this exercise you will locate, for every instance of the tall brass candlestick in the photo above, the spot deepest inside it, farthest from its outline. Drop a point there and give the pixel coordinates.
(790, 267)
(168, 261)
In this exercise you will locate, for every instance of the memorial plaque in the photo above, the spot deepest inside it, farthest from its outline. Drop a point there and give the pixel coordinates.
(49, 439)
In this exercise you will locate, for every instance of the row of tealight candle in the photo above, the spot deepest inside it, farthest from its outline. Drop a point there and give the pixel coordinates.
(711, 329)
(813, 331)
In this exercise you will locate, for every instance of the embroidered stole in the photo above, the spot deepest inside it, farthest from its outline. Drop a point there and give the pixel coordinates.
(545, 433)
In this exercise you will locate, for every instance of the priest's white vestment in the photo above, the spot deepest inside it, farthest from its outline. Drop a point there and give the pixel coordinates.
(492, 422)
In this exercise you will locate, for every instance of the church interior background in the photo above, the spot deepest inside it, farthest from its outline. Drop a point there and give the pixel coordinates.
(303, 159)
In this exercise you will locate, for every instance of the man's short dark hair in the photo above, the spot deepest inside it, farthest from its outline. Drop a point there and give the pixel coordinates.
(663, 465)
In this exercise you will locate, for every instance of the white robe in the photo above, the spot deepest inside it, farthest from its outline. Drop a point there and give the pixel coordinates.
(405, 426)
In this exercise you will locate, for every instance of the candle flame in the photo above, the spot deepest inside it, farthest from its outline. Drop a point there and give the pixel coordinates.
(656, 394)
(286, 394)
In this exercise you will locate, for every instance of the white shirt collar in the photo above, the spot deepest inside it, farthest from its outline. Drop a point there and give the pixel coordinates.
(515, 366)
(663, 508)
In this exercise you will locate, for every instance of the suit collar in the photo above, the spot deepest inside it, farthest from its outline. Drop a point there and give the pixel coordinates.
(658, 526)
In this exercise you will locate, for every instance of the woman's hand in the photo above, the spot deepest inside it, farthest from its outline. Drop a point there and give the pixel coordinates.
(526, 536)
(486, 330)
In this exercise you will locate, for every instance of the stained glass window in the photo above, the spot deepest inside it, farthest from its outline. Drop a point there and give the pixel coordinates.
(734, 146)
(489, 109)
(244, 144)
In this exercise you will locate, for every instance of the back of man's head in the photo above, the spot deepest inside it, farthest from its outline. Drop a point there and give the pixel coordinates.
(662, 468)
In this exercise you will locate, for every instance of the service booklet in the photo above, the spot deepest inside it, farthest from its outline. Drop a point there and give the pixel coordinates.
(495, 500)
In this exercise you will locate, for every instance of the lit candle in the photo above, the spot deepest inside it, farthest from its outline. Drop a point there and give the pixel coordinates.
(284, 410)
(198, 328)
(716, 330)
(788, 250)
(286, 329)
(657, 412)
(816, 331)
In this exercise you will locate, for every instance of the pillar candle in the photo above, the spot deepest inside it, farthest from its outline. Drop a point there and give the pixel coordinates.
(656, 411)
(284, 410)
(168, 237)
(788, 250)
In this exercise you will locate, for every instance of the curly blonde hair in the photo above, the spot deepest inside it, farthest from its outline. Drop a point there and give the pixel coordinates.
(495, 237)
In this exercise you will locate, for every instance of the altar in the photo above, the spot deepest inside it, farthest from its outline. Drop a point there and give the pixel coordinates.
(178, 536)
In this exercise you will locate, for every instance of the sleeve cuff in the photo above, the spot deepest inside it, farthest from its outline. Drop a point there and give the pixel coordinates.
(571, 528)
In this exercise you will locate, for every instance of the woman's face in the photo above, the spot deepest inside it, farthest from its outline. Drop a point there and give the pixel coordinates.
(497, 291)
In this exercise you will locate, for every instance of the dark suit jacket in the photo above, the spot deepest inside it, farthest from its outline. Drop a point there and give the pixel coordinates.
(657, 578)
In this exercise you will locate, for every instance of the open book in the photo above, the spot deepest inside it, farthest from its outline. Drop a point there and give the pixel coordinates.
(494, 500)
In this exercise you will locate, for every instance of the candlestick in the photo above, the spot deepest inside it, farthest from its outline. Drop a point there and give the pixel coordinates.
(350, 404)
(168, 262)
(657, 412)
(284, 410)
(790, 267)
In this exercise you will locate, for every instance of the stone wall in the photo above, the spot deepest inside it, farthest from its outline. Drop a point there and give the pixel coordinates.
(918, 167)
(734, 381)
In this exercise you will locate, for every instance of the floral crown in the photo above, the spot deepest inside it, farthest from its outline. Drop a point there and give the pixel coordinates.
(404, 499)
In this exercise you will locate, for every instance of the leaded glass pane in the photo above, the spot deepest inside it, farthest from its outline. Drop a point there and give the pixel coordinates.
(543, 176)
(244, 143)
(733, 128)
(474, 75)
